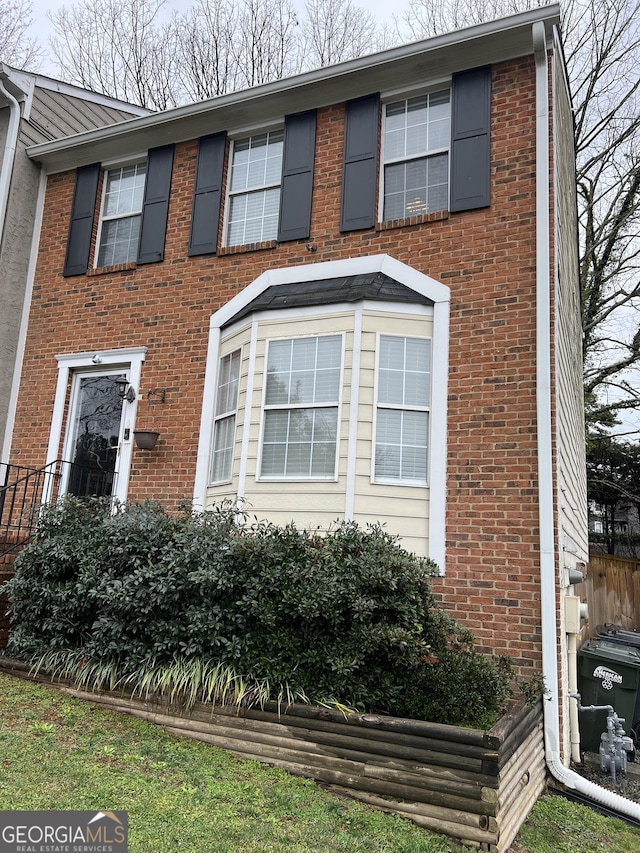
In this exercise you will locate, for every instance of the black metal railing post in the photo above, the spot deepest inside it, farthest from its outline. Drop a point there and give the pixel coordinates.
(24, 491)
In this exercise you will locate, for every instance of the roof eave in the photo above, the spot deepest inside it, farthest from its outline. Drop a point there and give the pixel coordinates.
(495, 41)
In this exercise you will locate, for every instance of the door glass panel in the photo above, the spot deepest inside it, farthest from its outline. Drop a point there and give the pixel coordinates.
(96, 434)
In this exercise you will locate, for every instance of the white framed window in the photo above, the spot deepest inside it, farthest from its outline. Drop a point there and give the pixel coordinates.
(121, 214)
(301, 401)
(416, 155)
(254, 188)
(224, 428)
(402, 409)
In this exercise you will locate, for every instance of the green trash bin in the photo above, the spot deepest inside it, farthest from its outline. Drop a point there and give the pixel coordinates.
(609, 674)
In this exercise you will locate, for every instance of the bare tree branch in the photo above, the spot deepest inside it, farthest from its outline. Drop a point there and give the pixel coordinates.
(16, 48)
(336, 30)
(132, 49)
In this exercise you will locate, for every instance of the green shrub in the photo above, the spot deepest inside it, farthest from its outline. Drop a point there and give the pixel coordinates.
(348, 616)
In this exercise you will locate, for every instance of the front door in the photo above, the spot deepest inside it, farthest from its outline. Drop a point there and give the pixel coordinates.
(94, 435)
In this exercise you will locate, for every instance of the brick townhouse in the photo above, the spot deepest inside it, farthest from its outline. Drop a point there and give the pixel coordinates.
(352, 293)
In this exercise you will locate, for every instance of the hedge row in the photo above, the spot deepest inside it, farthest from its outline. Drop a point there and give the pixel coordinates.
(346, 616)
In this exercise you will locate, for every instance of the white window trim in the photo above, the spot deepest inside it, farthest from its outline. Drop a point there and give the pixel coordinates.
(332, 478)
(404, 95)
(420, 484)
(229, 194)
(127, 360)
(106, 168)
(435, 291)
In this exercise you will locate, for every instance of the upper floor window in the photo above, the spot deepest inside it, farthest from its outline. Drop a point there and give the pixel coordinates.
(402, 413)
(301, 400)
(224, 429)
(416, 155)
(254, 188)
(121, 214)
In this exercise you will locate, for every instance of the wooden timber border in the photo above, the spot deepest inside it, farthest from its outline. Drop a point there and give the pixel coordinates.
(476, 786)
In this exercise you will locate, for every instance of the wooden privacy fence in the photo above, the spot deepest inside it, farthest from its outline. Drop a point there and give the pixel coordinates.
(612, 592)
(476, 786)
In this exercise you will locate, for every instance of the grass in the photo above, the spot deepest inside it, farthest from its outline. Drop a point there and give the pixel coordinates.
(187, 797)
(557, 826)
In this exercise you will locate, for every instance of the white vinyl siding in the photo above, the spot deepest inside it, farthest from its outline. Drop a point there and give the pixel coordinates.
(570, 435)
(404, 507)
(121, 214)
(416, 155)
(254, 188)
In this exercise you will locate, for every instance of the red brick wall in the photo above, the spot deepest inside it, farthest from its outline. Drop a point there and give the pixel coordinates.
(486, 257)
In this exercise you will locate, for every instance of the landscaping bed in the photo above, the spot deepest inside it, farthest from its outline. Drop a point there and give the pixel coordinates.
(476, 786)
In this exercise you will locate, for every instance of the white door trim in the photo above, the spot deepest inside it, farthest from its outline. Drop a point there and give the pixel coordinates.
(129, 360)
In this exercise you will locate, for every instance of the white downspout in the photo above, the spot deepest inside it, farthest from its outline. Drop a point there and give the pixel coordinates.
(548, 579)
(10, 146)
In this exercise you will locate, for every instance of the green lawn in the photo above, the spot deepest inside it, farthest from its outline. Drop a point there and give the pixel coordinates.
(187, 797)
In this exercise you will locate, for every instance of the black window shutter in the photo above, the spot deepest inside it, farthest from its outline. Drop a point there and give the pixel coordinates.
(207, 194)
(155, 206)
(360, 170)
(470, 139)
(81, 225)
(297, 176)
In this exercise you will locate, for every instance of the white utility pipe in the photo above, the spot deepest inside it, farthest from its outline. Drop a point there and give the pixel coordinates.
(548, 579)
(574, 721)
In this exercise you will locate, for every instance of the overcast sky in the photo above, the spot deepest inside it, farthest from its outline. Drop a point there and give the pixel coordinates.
(42, 28)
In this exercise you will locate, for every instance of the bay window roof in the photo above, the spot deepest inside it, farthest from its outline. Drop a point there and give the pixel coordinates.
(375, 286)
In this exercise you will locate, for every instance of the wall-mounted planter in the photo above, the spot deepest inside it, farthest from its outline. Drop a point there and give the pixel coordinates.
(476, 786)
(145, 439)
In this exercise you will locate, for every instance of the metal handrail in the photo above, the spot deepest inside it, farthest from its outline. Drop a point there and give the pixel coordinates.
(26, 490)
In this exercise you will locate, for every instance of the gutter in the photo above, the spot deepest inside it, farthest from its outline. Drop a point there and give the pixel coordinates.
(10, 146)
(548, 579)
(163, 124)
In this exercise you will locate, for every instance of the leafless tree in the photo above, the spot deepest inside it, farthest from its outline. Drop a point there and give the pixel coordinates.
(602, 46)
(337, 30)
(205, 36)
(603, 54)
(16, 47)
(425, 18)
(119, 47)
(137, 51)
(265, 43)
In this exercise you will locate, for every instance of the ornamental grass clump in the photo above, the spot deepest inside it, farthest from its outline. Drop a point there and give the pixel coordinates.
(216, 608)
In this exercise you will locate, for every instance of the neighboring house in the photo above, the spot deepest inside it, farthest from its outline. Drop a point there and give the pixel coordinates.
(348, 294)
(614, 529)
(33, 109)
